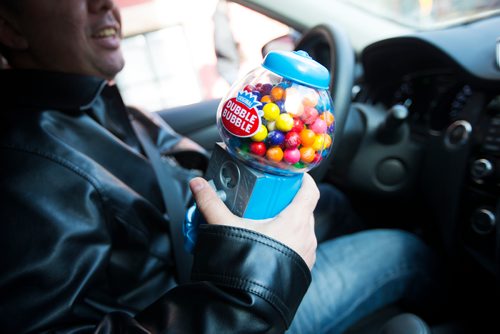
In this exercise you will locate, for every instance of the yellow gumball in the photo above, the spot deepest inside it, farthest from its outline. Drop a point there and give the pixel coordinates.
(284, 122)
(319, 142)
(261, 134)
(271, 111)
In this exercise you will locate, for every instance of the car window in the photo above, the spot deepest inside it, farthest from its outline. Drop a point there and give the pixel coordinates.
(171, 50)
(429, 14)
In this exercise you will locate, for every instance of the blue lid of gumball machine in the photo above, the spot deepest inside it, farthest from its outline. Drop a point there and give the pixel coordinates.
(299, 67)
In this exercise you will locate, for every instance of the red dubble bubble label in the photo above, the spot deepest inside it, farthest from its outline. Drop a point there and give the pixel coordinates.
(240, 116)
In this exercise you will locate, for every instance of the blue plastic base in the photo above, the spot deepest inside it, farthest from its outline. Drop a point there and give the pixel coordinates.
(271, 194)
(249, 193)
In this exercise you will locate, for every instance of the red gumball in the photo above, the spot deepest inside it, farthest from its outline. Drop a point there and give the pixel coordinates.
(258, 148)
(317, 158)
(298, 125)
(249, 88)
(292, 140)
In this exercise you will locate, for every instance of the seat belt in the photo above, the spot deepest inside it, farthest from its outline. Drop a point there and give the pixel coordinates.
(172, 199)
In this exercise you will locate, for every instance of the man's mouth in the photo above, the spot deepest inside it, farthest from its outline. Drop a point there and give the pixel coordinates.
(106, 32)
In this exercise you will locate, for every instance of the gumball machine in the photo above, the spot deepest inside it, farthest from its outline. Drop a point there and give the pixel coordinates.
(276, 123)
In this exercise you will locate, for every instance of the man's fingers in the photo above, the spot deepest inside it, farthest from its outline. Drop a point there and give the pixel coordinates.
(307, 197)
(209, 204)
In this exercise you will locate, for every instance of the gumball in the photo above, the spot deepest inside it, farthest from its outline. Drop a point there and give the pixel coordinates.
(266, 88)
(271, 111)
(258, 148)
(292, 140)
(331, 128)
(234, 142)
(275, 138)
(317, 158)
(291, 155)
(284, 122)
(319, 142)
(310, 114)
(249, 88)
(310, 99)
(322, 105)
(266, 99)
(277, 93)
(285, 84)
(244, 147)
(257, 94)
(328, 140)
(319, 126)
(307, 154)
(293, 102)
(280, 105)
(261, 134)
(299, 165)
(307, 137)
(271, 126)
(274, 153)
(298, 125)
(327, 117)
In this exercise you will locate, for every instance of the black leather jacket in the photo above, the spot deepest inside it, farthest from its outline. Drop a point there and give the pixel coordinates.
(84, 244)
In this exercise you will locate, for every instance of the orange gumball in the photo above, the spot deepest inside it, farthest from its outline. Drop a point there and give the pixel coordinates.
(277, 93)
(307, 137)
(328, 140)
(274, 153)
(266, 99)
(327, 117)
(307, 154)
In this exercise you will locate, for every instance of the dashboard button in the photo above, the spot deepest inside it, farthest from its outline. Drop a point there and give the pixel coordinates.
(483, 221)
(391, 172)
(481, 168)
(457, 134)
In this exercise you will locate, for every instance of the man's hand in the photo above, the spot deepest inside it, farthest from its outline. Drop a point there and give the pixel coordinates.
(294, 226)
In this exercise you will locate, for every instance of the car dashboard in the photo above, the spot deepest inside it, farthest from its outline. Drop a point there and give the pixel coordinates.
(448, 81)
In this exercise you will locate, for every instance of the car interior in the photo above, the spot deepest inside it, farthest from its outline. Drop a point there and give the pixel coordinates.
(417, 147)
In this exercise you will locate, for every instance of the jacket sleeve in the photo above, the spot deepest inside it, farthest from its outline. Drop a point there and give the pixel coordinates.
(242, 282)
(65, 269)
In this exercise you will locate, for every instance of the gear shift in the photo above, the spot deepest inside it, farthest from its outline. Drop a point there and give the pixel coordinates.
(389, 132)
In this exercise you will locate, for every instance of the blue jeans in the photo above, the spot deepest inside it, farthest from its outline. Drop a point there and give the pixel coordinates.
(360, 272)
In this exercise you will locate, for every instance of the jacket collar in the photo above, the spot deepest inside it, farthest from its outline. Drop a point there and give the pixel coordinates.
(49, 90)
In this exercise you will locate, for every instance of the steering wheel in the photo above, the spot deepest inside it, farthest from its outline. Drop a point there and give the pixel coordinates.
(340, 60)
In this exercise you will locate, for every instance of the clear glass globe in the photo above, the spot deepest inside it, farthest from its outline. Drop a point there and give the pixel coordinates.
(276, 124)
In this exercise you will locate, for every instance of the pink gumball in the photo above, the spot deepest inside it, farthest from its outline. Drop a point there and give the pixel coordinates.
(319, 126)
(310, 115)
(291, 155)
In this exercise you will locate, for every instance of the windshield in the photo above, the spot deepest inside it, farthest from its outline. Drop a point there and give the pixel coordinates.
(429, 14)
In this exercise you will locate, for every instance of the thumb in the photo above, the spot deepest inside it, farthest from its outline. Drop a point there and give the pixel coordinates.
(209, 204)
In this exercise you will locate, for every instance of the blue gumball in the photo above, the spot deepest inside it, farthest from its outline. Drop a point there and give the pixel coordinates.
(281, 105)
(275, 137)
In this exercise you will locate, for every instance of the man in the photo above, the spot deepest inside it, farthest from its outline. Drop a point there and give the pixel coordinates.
(85, 242)
(94, 244)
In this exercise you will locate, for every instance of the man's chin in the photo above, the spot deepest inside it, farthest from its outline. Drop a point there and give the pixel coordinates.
(109, 70)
